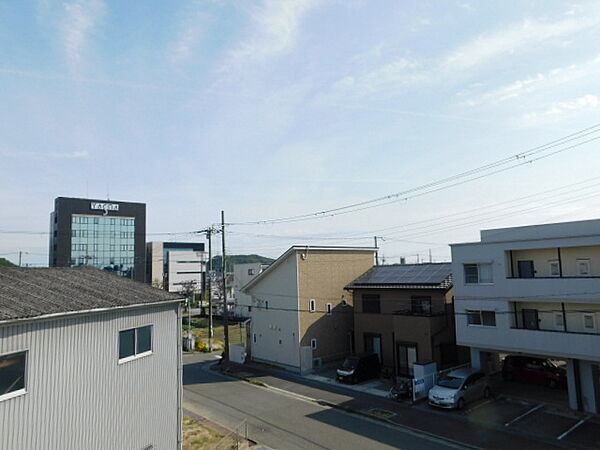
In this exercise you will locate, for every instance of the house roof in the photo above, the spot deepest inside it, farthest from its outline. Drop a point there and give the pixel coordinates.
(306, 249)
(34, 293)
(406, 276)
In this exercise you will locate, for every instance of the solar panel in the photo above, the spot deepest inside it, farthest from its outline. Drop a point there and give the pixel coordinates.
(406, 274)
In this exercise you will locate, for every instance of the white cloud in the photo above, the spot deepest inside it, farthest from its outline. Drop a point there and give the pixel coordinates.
(539, 82)
(188, 38)
(80, 19)
(559, 110)
(276, 26)
(517, 38)
(45, 155)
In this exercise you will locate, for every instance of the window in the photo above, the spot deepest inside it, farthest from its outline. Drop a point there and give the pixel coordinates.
(135, 342)
(312, 305)
(583, 267)
(554, 268)
(371, 304)
(485, 318)
(254, 337)
(478, 273)
(329, 310)
(250, 272)
(559, 320)
(588, 322)
(420, 305)
(266, 304)
(313, 344)
(12, 374)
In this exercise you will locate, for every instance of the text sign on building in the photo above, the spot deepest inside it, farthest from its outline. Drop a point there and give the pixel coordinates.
(106, 207)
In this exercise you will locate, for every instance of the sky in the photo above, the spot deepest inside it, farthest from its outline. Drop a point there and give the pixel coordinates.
(274, 108)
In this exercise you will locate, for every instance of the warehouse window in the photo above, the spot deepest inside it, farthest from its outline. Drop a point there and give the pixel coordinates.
(135, 342)
(12, 375)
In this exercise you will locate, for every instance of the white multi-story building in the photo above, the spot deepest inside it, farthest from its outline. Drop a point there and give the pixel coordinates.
(534, 290)
(242, 274)
(174, 265)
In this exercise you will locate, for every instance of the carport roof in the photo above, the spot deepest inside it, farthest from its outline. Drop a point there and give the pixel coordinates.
(406, 276)
(27, 293)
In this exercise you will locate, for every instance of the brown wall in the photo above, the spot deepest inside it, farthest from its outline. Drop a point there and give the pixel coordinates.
(323, 274)
(428, 333)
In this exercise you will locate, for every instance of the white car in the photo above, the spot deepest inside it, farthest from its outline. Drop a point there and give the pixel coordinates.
(458, 387)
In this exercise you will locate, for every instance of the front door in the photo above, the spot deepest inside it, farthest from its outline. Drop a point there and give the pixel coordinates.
(530, 319)
(373, 344)
(526, 269)
(407, 356)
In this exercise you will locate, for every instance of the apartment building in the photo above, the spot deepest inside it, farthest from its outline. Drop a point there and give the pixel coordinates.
(175, 265)
(534, 290)
(301, 314)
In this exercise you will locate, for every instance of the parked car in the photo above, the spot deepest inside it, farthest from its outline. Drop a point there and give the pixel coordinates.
(357, 368)
(534, 370)
(459, 387)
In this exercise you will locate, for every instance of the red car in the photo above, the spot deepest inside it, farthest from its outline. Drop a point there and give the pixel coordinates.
(534, 370)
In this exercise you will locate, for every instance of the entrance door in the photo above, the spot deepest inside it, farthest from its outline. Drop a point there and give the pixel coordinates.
(373, 344)
(530, 319)
(407, 356)
(526, 269)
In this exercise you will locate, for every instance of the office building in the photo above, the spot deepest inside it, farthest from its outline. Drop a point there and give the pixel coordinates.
(174, 266)
(106, 234)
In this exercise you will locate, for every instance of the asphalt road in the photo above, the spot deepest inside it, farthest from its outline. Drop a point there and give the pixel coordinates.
(282, 421)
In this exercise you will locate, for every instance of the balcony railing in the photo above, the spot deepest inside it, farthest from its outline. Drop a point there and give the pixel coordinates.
(548, 330)
(411, 312)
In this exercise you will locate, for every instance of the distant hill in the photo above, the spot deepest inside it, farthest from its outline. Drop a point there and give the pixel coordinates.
(6, 263)
(238, 259)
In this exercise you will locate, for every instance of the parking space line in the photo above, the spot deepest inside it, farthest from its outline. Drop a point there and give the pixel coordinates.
(541, 405)
(573, 428)
(486, 402)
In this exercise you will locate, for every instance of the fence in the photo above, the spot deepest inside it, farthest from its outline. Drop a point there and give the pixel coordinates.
(237, 439)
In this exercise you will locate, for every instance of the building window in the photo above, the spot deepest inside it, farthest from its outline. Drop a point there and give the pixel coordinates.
(478, 273)
(554, 268)
(12, 375)
(135, 342)
(589, 322)
(371, 304)
(313, 344)
(484, 318)
(583, 267)
(254, 338)
(420, 305)
(250, 272)
(329, 309)
(312, 305)
(266, 304)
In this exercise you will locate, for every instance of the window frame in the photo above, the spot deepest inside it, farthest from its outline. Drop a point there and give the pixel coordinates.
(593, 317)
(477, 265)
(551, 263)
(312, 305)
(313, 343)
(479, 313)
(586, 261)
(135, 355)
(23, 391)
(329, 309)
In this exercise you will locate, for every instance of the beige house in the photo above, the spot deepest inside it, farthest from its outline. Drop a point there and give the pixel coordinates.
(301, 315)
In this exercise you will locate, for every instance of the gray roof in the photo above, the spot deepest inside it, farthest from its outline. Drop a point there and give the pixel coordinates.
(31, 293)
(406, 276)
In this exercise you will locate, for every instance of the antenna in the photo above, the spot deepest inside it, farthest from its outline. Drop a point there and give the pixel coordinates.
(107, 193)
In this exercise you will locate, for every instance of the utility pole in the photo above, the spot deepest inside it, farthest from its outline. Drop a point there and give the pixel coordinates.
(20, 253)
(376, 252)
(430, 260)
(209, 278)
(225, 312)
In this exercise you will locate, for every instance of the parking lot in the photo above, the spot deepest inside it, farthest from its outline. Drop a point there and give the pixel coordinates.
(535, 410)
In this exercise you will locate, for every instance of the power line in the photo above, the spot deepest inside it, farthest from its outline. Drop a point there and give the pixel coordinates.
(447, 182)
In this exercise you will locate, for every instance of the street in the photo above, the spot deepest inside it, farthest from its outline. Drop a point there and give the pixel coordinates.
(282, 421)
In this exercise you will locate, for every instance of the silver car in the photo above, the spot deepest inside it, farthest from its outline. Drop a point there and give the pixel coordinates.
(459, 387)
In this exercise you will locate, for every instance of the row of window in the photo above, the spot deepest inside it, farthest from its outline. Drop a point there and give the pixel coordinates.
(419, 304)
(100, 234)
(103, 220)
(133, 343)
(106, 248)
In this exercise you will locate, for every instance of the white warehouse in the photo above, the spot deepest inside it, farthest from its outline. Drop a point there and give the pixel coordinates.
(88, 360)
(534, 290)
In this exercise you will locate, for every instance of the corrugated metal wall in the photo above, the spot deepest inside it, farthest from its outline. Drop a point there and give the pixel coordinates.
(79, 397)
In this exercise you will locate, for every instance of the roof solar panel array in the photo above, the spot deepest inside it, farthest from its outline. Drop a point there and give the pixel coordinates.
(406, 274)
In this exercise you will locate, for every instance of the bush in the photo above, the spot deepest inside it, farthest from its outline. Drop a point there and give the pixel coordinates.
(202, 346)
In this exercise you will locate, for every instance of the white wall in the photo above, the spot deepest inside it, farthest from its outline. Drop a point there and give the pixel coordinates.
(241, 277)
(80, 397)
(185, 266)
(276, 329)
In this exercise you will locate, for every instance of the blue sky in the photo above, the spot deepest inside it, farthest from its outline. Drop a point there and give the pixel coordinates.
(272, 108)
